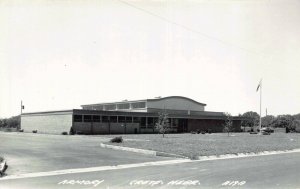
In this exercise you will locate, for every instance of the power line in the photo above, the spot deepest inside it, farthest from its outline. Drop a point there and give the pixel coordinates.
(187, 28)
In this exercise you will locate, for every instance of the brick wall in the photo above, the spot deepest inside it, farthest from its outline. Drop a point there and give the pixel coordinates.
(210, 124)
(106, 128)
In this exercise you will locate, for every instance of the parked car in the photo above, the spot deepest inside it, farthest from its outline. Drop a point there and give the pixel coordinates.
(267, 129)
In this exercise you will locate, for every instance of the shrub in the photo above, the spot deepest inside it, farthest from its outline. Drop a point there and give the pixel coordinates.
(117, 140)
(64, 133)
(34, 131)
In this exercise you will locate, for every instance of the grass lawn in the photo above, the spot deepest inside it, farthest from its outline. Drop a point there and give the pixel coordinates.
(212, 144)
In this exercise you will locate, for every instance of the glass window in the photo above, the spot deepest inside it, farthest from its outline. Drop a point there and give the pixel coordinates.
(136, 119)
(128, 119)
(143, 122)
(105, 119)
(113, 119)
(175, 122)
(77, 118)
(87, 118)
(150, 121)
(123, 106)
(99, 107)
(96, 118)
(139, 105)
(121, 119)
(155, 120)
(110, 107)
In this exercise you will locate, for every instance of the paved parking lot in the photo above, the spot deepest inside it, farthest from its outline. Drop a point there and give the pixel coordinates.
(27, 152)
(54, 161)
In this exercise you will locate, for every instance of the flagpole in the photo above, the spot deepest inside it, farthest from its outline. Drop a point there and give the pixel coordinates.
(21, 106)
(260, 106)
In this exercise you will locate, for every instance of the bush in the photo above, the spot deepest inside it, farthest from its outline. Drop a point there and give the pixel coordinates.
(34, 131)
(117, 140)
(64, 133)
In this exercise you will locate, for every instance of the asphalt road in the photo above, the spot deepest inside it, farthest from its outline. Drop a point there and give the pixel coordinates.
(272, 171)
(27, 152)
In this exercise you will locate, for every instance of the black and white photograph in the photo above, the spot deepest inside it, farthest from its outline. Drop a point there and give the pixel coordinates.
(155, 94)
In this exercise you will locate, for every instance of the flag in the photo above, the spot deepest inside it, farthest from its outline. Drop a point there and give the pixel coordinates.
(258, 86)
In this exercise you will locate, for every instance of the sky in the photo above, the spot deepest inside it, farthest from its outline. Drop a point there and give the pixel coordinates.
(57, 55)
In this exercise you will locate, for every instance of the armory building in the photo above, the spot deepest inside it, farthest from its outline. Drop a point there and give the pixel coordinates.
(128, 117)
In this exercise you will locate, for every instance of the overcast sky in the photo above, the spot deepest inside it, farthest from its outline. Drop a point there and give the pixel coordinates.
(58, 55)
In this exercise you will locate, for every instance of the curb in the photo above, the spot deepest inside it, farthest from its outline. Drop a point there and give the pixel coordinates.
(142, 151)
(243, 155)
(198, 158)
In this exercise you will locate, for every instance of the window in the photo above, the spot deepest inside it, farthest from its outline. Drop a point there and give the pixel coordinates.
(77, 118)
(139, 105)
(128, 119)
(123, 106)
(136, 119)
(175, 122)
(87, 118)
(155, 120)
(113, 119)
(150, 122)
(98, 107)
(96, 118)
(143, 122)
(105, 119)
(110, 107)
(121, 119)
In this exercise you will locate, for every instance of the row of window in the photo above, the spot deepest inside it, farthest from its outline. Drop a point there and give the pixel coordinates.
(145, 122)
(114, 119)
(119, 106)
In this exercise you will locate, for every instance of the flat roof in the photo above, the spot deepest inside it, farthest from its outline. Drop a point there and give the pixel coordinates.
(144, 100)
(193, 115)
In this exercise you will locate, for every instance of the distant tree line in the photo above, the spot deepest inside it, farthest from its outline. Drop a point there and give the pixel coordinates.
(12, 122)
(290, 122)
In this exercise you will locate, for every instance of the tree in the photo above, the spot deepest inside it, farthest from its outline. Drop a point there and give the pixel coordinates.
(252, 119)
(228, 123)
(296, 124)
(284, 121)
(297, 116)
(14, 122)
(3, 122)
(267, 121)
(162, 124)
